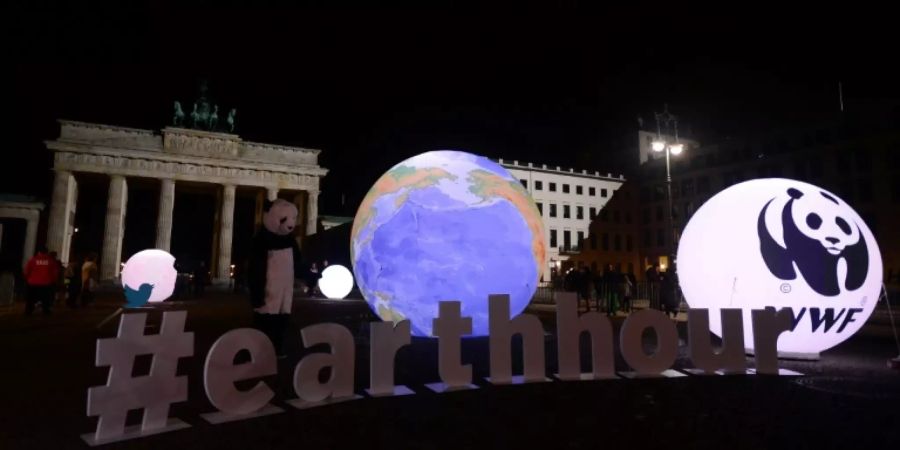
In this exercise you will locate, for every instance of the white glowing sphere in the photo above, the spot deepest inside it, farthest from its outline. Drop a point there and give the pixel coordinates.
(154, 267)
(782, 243)
(336, 281)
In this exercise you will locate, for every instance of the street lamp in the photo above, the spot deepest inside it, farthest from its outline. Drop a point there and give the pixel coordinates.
(674, 148)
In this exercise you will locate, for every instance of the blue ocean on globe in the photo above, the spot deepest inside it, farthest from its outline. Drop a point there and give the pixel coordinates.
(446, 225)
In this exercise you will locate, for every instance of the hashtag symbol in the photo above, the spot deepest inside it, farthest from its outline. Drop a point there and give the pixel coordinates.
(154, 392)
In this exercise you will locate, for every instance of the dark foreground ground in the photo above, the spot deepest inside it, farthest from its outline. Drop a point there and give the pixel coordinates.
(849, 399)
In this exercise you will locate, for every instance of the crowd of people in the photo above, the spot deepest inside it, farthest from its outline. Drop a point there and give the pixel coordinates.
(48, 282)
(612, 291)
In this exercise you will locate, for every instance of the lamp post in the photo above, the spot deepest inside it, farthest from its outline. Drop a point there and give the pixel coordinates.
(671, 149)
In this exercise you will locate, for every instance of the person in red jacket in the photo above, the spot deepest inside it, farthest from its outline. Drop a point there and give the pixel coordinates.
(41, 273)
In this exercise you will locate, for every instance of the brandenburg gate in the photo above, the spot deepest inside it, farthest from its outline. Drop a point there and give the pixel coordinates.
(172, 156)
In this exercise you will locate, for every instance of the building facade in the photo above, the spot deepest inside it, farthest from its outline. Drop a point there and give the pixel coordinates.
(612, 240)
(858, 160)
(568, 201)
(167, 159)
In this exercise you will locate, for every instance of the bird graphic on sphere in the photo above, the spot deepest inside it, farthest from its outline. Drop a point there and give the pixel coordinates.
(139, 297)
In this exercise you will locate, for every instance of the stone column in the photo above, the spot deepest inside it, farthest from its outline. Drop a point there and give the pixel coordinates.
(61, 208)
(30, 236)
(226, 229)
(115, 228)
(164, 219)
(258, 213)
(312, 212)
(272, 193)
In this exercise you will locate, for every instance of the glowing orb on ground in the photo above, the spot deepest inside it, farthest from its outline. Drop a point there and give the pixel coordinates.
(782, 243)
(446, 225)
(336, 281)
(149, 276)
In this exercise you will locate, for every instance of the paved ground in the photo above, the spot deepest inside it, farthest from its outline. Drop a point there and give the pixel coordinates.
(850, 399)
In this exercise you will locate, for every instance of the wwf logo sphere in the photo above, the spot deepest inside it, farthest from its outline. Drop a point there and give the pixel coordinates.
(782, 243)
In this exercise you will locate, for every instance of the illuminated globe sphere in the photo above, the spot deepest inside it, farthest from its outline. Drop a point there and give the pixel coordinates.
(446, 225)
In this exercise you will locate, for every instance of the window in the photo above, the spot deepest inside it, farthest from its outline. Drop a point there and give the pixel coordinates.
(687, 187)
(552, 238)
(863, 160)
(816, 169)
(553, 210)
(646, 238)
(703, 185)
(524, 183)
(616, 216)
(540, 207)
(579, 212)
(592, 191)
(566, 212)
(580, 241)
(629, 243)
(645, 194)
(603, 193)
(604, 242)
(579, 190)
(593, 240)
(659, 213)
(660, 238)
(645, 216)
(565, 188)
(617, 243)
(538, 185)
(593, 212)
(863, 190)
(552, 187)
(567, 239)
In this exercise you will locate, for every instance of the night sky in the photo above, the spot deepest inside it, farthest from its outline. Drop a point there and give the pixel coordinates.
(371, 87)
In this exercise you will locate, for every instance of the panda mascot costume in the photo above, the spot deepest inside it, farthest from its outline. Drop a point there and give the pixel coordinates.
(274, 263)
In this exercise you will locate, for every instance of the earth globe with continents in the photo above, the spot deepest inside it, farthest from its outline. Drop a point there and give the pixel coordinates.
(446, 225)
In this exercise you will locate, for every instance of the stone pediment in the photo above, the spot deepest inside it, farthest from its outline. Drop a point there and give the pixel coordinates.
(183, 142)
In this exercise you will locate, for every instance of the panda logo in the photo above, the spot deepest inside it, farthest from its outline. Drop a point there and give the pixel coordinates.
(817, 236)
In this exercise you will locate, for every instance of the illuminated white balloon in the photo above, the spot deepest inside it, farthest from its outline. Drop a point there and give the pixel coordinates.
(149, 276)
(336, 281)
(782, 243)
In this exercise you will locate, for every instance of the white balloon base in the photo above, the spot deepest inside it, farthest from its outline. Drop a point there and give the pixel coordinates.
(781, 372)
(134, 432)
(703, 373)
(799, 356)
(587, 377)
(398, 391)
(441, 388)
(218, 417)
(668, 373)
(517, 379)
(303, 404)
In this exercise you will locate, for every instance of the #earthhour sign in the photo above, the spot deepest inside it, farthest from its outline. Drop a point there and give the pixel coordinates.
(771, 266)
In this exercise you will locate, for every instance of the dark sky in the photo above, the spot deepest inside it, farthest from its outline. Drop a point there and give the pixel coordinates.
(549, 84)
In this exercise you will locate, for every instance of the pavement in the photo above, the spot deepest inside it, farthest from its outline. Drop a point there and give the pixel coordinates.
(848, 399)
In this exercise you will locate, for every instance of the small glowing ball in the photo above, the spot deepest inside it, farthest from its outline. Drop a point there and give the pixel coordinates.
(441, 226)
(336, 281)
(152, 270)
(782, 243)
